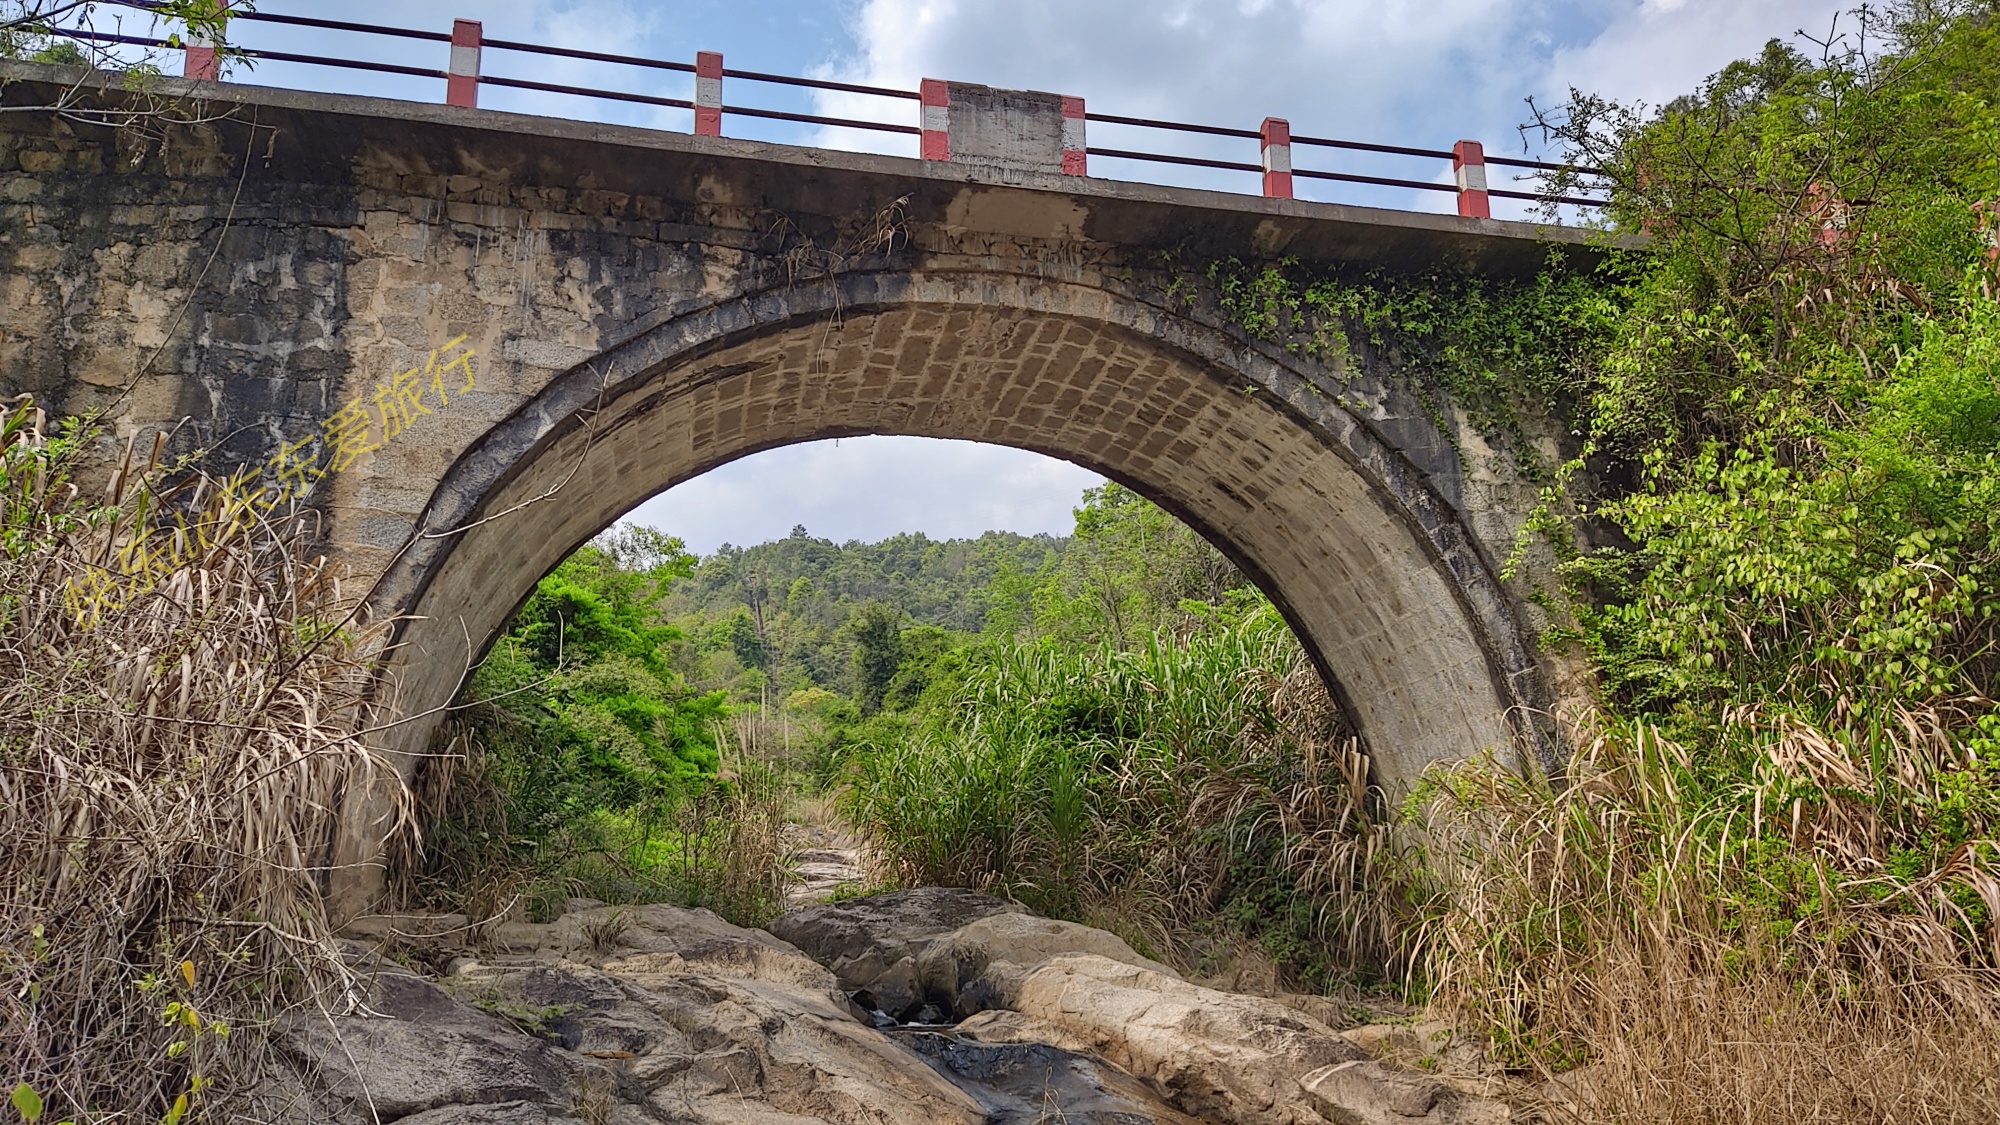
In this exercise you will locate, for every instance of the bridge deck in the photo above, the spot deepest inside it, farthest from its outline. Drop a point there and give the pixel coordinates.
(318, 136)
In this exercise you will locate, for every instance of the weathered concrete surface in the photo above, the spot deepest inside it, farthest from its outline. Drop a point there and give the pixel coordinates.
(644, 306)
(1004, 134)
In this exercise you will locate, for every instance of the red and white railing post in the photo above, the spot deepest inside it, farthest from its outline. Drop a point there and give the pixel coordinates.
(1274, 139)
(199, 58)
(708, 93)
(935, 98)
(1075, 155)
(1468, 165)
(461, 82)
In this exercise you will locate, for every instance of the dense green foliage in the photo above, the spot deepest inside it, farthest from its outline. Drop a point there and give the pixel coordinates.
(584, 666)
(1804, 378)
(1807, 378)
(1798, 380)
(805, 615)
(1132, 574)
(1792, 793)
(588, 741)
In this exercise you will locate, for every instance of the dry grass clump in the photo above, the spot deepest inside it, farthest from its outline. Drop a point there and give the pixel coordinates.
(1744, 943)
(170, 753)
(734, 835)
(1302, 780)
(1280, 830)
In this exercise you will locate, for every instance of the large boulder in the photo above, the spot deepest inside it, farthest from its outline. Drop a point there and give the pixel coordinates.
(871, 943)
(726, 1042)
(1214, 1054)
(702, 1021)
(414, 1049)
(998, 1025)
(618, 1016)
(952, 971)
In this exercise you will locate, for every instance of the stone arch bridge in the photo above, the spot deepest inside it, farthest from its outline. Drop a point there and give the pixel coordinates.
(290, 286)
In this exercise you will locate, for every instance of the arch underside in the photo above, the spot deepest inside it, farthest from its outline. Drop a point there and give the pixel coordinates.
(1377, 592)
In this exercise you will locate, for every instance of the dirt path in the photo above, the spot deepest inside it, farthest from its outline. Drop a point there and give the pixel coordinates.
(826, 858)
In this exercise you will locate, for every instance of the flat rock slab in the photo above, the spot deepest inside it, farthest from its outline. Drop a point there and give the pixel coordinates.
(1374, 1093)
(953, 971)
(687, 1042)
(421, 1050)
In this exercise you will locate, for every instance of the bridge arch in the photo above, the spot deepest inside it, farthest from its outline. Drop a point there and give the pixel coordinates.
(1252, 447)
(1373, 570)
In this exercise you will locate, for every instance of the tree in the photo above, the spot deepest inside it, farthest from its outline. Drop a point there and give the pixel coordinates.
(876, 631)
(584, 710)
(1128, 572)
(33, 30)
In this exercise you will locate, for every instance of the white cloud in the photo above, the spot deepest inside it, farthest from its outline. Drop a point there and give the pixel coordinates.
(1422, 73)
(1664, 48)
(870, 488)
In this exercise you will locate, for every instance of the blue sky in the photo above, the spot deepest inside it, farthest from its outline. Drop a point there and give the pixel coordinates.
(1413, 72)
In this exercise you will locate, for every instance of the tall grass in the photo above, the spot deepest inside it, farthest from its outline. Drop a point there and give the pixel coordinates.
(1750, 936)
(493, 850)
(169, 757)
(1195, 791)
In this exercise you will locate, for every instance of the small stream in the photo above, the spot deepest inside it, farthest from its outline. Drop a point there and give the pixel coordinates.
(1032, 1083)
(1015, 1083)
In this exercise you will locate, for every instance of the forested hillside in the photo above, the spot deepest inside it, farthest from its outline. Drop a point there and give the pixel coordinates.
(799, 613)
(787, 619)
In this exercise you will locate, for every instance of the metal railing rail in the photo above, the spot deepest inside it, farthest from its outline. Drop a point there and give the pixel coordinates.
(1274, 137)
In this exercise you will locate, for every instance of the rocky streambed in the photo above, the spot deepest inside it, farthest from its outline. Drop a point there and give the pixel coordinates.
(932, 1006)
